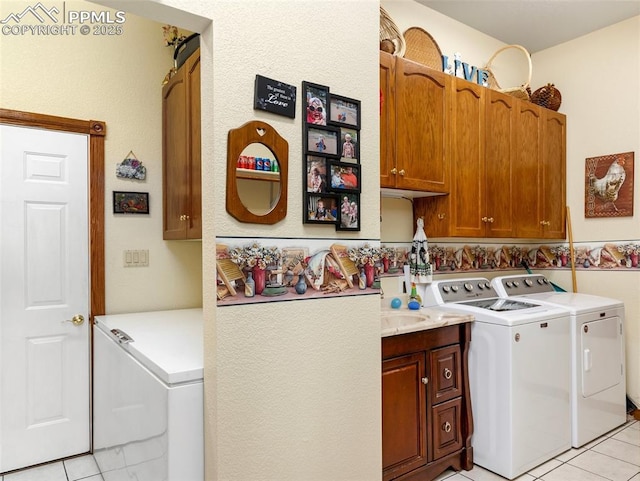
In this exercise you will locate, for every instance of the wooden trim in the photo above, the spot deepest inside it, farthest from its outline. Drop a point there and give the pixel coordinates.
(97, 131)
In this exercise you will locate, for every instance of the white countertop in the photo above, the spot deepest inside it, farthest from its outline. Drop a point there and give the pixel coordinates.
(404, 320)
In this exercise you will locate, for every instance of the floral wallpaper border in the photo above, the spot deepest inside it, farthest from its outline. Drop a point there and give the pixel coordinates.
(447, 258)
(295, 269)
(288, 263)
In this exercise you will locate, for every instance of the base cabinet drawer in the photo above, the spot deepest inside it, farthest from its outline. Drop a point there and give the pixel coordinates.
(446, 374)
(446, 428)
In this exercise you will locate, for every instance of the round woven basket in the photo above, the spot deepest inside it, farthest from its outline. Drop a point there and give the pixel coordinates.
(523, 91)
(391, 40)
(548, 97)
(422, 48)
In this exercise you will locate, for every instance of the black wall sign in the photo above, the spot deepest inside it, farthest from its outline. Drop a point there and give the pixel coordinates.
(274, 96)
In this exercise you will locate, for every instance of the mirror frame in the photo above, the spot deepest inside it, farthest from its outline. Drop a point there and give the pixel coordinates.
(237, 140)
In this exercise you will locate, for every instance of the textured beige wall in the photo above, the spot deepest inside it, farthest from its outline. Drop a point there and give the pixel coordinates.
(116, 79)
(599, 78)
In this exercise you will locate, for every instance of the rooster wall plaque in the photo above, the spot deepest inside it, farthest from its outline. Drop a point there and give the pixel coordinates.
(609, 186)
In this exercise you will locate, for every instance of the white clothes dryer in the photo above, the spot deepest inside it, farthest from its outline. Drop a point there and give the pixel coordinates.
(519, 375)
(598, 386)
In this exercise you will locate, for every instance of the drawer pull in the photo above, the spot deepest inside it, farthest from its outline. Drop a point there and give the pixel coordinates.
(447, 373)
(446, 427)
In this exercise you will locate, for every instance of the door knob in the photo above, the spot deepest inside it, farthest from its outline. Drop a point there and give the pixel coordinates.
(76, 320)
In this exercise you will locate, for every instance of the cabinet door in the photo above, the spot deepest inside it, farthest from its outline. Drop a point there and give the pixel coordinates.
(436, 213)
(554, 174)
(528, 191)
(175, 151)
(500, 152)
(422, 127)
(404, 436)
(194, 221)
(468, 208)
(387, 120)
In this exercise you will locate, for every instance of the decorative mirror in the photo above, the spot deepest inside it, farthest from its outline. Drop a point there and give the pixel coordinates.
(257, 161)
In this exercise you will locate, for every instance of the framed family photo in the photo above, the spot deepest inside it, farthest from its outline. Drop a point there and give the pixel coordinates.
(322, 141)
(349, 213)
(316, 174)
(349, 145)
(343, 177)
(315, 102)
(344, 111)
(321, 209)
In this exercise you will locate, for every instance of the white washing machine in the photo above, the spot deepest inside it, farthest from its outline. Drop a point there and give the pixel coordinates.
(598, 386)
(519, 375)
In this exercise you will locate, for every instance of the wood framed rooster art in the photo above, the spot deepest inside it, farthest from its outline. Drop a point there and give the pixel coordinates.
(609, 186)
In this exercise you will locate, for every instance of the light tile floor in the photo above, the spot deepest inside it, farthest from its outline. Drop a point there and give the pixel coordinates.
(613, 457)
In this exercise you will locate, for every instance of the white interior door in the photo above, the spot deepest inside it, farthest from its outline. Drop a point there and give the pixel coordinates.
(44, 281)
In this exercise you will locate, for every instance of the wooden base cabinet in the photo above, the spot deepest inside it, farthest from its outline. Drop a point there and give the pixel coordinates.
(414, 126)
(181, 172)
(427, 421)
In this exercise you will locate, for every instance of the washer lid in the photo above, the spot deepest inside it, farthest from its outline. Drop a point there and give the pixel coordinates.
(499, 304)
(168, 343)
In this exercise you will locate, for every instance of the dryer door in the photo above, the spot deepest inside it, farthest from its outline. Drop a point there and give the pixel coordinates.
(601, 343)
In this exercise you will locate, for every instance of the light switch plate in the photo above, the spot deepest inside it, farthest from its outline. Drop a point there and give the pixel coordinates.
(136, 258)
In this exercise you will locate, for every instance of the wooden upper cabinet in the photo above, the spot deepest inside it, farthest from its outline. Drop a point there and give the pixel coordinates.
(540, 175)
(422, 127)
(387, 120)
(468, 169)
(554, 174)
(414, 126)
(182, 211)
(500, 152)
(527, 175)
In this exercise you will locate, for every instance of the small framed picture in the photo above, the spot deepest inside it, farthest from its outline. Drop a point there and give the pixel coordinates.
(316, 174)
(130, 202)
(349, 145)
(349, 213)
(322, 141)
(315, 101)
(344, 111)
(321, 209)
(343, 177)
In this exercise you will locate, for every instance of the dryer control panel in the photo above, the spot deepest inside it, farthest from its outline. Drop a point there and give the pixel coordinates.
(521, 285)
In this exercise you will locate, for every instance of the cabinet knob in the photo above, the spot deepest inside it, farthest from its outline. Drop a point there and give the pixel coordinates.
(425, 380)
(446, 427)
(490, 219)
(394, 171)
(441, 216)
(447, 373)
(484, 219)
(545, 222)
(402, 172)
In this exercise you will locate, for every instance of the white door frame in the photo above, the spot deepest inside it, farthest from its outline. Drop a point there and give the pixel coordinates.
(96, 130)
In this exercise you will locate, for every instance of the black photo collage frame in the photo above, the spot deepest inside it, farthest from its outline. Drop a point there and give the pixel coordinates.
(331, 147)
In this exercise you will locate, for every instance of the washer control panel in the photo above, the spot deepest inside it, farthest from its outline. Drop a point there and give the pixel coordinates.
(442, 292)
